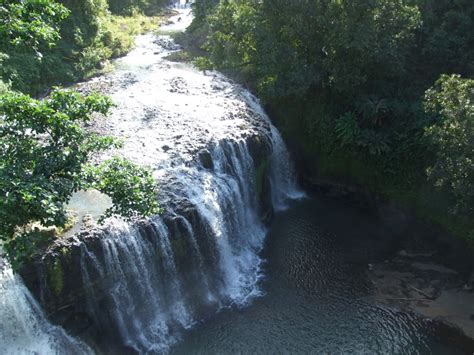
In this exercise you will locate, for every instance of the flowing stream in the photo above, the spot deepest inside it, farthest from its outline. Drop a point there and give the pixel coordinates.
(192, 279)
(201, 134)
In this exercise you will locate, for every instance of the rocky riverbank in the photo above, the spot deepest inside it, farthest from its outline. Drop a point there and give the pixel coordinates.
(425, 271)
(414, 281)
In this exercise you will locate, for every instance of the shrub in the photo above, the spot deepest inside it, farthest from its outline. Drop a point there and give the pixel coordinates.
(452, 100)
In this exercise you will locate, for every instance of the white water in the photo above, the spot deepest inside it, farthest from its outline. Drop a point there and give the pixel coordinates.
(166, 113)
(282, 175)
(24, 328)
(150, 302)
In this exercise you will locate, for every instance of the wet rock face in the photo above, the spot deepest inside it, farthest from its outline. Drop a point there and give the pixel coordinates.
(66, 286)
(213, 151)
(55, 279)
(205, 159)
(259, 149)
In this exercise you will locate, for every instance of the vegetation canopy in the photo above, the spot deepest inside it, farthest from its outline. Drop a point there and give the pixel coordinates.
(453, 138)
(348, 79)
(48, 42)
(45, 157)
(46, 154)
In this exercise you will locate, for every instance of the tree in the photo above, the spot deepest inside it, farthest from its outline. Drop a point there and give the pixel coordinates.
(30, 23)
(233, 28)
(351, 47)
(347, 78)
(27, 28)
(446, 38)
(452, 100)
(45, 157)
(130, 6)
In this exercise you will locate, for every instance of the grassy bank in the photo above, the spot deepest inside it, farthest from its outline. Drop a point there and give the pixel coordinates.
(119, 37)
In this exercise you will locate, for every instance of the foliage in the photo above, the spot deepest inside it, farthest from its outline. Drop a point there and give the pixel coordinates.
(203, 63)
(44, 156)
(130, 7)
(295, 46)
(43, 149)
(131, 188)
(58, 42)
(351, 134)
(27, 28)
(201, 10)
(354, 52)
(232, 39)
(30, 23)
(376, 143)
(446, 37)
(452, 99)
(349, 79)
(347, 129)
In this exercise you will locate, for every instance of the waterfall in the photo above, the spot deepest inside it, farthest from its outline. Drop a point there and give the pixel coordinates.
(146, 283)
(24, 329)
(140, 286)
(165, 274)
(282, 176)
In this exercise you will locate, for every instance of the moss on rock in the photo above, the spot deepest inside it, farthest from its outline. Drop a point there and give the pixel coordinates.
(260, 173)
(56, 277)
(178, 246)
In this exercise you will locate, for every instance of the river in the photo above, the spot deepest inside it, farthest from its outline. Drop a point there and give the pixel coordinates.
(207, 276)
(317, 296)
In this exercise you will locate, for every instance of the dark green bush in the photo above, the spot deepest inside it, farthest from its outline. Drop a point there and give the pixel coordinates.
(44, 159)
(347, 80)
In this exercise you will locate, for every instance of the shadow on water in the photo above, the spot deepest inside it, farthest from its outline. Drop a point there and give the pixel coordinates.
(317, 293)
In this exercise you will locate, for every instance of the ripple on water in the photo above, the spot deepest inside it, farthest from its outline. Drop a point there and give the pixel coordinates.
(316, 294)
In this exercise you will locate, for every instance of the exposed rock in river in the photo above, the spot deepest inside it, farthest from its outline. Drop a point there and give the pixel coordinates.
(425, 271)
(414, 282)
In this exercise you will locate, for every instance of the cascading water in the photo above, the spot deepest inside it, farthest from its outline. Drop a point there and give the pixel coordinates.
(209, 141)
(24, 329)
(282, 176)
(151, 297)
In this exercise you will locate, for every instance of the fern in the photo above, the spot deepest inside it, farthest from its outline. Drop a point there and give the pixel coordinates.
(347, 129)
